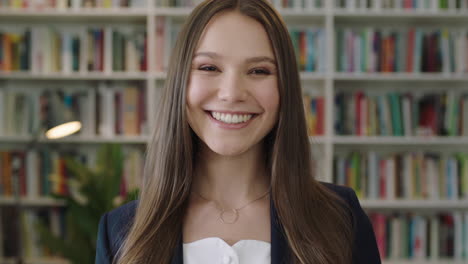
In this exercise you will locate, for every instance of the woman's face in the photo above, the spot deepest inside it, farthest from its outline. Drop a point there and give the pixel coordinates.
(232, 97)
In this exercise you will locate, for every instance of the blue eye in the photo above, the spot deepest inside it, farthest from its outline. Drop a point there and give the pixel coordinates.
(208, 68)
(260, 71)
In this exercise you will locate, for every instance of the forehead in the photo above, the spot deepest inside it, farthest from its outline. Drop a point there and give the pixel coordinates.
(233, 34)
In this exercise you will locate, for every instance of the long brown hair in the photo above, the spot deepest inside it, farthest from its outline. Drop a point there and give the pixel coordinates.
(316, 223)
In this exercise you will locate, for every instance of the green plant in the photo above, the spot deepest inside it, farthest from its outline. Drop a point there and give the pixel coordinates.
(92, 192)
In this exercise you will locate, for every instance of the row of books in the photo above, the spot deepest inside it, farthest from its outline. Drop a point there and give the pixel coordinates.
(401, 114)
(310, 48)
(406, 175)
(38, 5)
(177, 3)
(33, 174)
(314, 107)
(12, 220)
(418, 5)
(51, 49)
(411, 50)
(121, 110)
(166, 35)
(309, 45)
(17, 113)
(108, 110)
(300, 4)
(39, 173)
(422, 237)
(129, 51)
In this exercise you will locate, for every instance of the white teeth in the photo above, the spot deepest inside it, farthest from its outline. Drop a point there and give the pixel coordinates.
(230, 119)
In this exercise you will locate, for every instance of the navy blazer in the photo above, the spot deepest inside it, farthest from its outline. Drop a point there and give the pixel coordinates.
(114, 225)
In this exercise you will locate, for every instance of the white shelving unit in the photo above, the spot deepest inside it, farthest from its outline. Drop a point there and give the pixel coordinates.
(384, 140)
(35, 261)
(31, 202)
(444, 261)
(415, 205)
(328, 17)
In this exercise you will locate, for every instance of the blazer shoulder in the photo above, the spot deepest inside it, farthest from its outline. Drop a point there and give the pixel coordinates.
(113, 228)
(123, 214)
(365, 248)
(119, 221)
(343, 191)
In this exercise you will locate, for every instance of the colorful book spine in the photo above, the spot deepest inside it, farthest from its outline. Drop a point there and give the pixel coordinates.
(412, 175)
(35, 174)
(310, 49)
(407, 236)
(314, 108)
(442, 50)
(400, 5)
(401, 114)
(40, 5)
(71, 49)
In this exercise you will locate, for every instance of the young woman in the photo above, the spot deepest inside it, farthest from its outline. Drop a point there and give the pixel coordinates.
(228, 175)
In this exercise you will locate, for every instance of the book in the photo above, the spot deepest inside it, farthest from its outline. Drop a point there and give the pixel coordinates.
(440, 50)
(2, 113)
(400, 114)
(403, 175)
(314, 107)
(309, 47)
(420, 237)
(434, 6)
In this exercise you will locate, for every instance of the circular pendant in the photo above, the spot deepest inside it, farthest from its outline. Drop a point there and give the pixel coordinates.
(229, 217)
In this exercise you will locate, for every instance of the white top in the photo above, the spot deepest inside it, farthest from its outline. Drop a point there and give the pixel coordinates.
(214, 250)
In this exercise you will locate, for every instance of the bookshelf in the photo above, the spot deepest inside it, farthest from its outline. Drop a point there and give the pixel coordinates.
(329, 16)
(32, 202)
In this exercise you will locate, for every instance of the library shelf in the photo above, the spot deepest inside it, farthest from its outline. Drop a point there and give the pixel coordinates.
(399, 140)
(15, 139)
(317, 139)
(159, 76)
(389, 76)
(424, 261)
(305, 76)
(397, 13)
(52, 14)
(141, 139)
(413, 205)
(310, 14)
(329, 18)
(286, 12)
(31, 202)
(173, 11)
(312, 76)
(138, 76)
(43, 260)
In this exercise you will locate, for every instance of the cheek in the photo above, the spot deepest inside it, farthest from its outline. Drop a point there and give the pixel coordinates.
(194, 94)
(268, 97)
(199, 90)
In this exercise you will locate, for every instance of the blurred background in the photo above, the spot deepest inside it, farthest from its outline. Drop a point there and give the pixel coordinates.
(384, 88)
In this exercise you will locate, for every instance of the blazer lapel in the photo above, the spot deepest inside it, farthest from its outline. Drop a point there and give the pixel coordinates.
(279, 246)
(177, 258)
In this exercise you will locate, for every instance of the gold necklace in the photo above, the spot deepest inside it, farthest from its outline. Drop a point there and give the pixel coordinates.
(235, 211)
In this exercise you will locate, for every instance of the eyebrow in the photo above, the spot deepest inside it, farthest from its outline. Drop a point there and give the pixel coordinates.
(215, 55)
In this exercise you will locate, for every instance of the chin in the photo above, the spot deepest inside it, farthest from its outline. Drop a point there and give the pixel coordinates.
(228, 149)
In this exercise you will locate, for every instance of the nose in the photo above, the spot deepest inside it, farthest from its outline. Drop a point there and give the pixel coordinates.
(232, 88)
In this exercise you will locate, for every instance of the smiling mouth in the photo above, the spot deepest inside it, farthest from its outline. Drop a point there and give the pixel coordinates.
(231, 118)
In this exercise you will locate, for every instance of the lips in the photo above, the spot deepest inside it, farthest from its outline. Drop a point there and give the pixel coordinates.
(231, 120)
